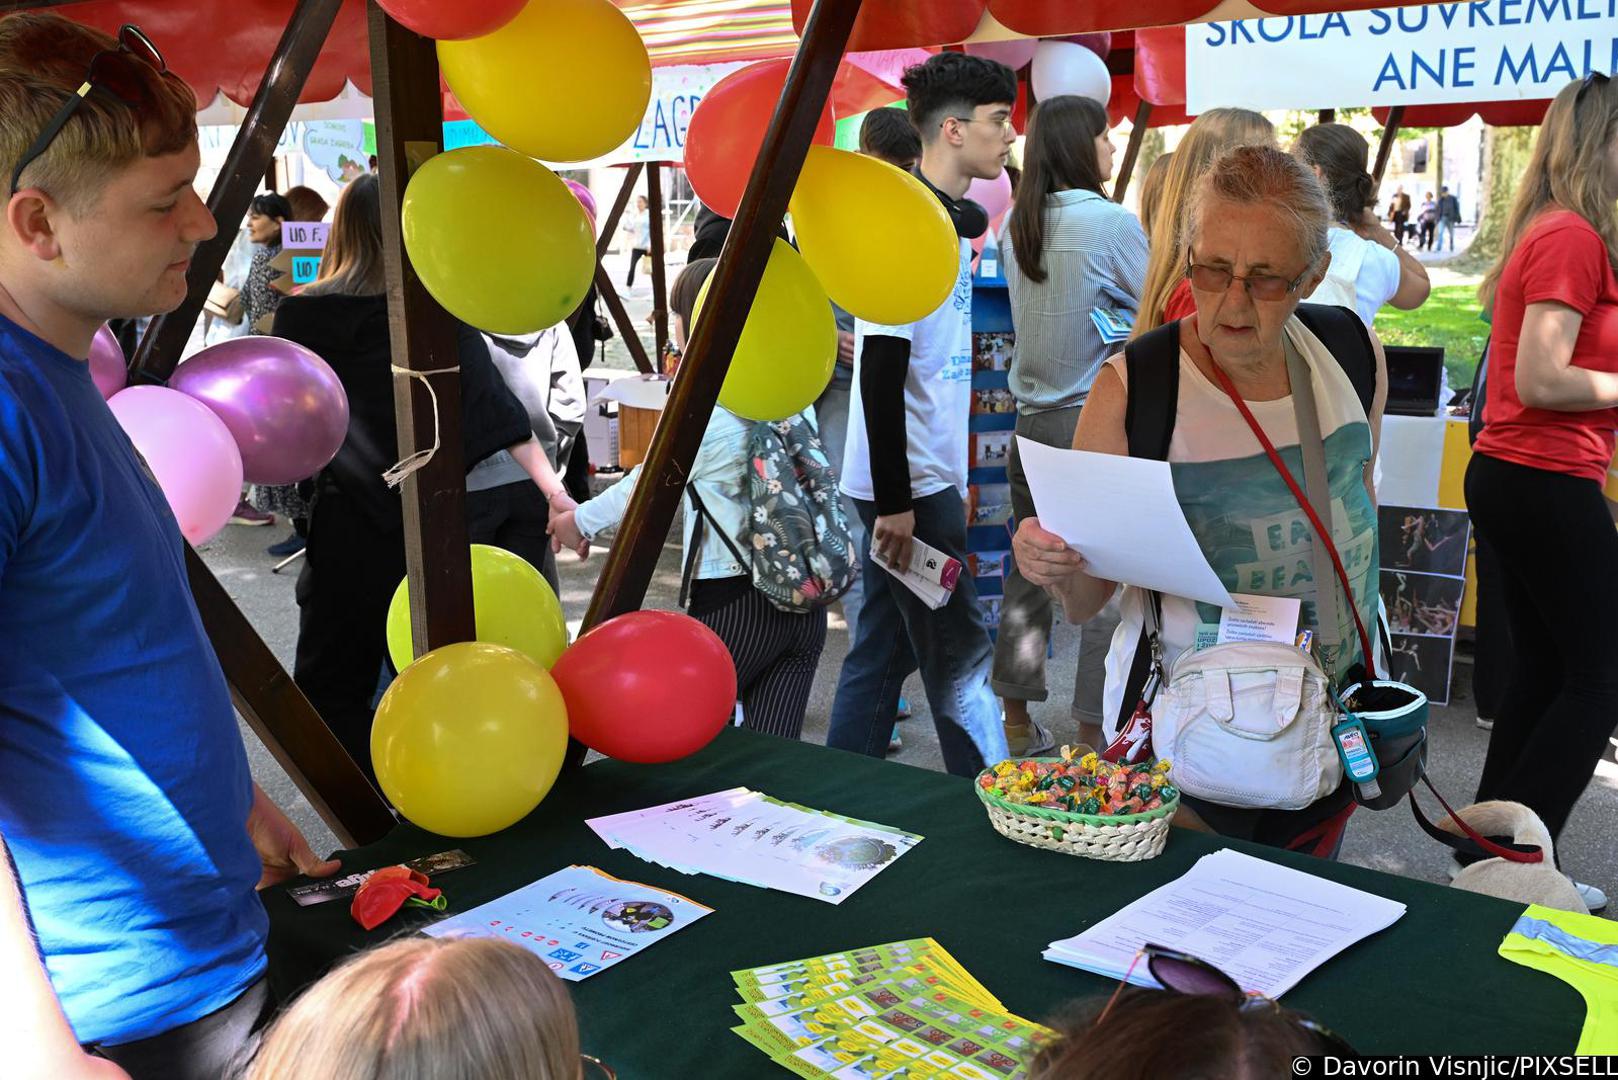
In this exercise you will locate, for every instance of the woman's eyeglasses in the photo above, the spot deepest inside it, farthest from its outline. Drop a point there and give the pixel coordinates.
(111, 70)
(595, 1069)
(1217, 279)
(1181, 973)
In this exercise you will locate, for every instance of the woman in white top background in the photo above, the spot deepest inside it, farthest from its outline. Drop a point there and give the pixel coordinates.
(1369, 267)
(1074, 252)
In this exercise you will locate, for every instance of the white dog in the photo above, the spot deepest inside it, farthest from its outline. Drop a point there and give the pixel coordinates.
(1526, 883)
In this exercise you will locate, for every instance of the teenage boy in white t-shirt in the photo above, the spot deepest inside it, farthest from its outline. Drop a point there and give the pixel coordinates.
(905, 464)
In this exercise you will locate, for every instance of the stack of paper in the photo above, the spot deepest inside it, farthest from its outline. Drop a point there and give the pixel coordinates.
(1264, 925)
(1113, 325)
(748, 837)
(931, 574)
(578, 920)
(904, 1009)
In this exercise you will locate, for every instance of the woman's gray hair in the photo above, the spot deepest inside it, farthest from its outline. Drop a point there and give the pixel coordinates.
(1247, 175)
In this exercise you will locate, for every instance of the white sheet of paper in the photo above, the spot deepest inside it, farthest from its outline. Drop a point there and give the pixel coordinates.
(1263, 924)
(1120, 513)
(1261, 618)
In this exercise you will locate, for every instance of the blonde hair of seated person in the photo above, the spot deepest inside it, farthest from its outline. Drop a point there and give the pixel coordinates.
(428, 1009)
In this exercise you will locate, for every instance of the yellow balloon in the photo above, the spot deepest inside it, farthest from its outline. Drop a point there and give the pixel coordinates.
(788, 345)
(498, 239)
(566, 80)
(469, 739)
(515, 606)
(882, 245)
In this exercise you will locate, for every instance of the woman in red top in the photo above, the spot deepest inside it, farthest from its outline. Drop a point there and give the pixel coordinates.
(1534, 487)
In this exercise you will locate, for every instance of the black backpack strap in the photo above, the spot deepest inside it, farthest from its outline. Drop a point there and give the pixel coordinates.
(1480, 390)
(1345, 337)
(691, 556)
(1152, 362)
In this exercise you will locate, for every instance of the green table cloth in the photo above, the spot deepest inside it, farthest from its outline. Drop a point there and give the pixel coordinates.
(1431, 983)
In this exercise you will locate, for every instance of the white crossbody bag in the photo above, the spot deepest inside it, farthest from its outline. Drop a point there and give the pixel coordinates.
(1249, 724)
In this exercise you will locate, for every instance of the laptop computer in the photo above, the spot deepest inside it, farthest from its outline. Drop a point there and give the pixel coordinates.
(1415, 379)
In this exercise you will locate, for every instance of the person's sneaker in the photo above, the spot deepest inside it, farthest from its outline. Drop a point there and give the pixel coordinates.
(895, 744)
(1485, 723)
(286, 548)
(1593, 898)
(1032, 741)
(904, 709)
(246, 514)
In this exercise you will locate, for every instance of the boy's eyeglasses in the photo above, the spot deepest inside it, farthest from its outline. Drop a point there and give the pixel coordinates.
(1181, 973)
(1001, 124)
(111, 70)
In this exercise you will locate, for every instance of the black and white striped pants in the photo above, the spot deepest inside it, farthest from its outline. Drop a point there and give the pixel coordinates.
(775, 652)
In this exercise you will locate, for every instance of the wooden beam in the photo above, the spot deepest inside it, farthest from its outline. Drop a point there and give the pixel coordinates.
(409, 131)
(609, 224)
(250, 157)
(1384, 149)
(695, 392)
(1137, 135)
(283, 719)
(1327, 116)
(620, 316)
(660, 288)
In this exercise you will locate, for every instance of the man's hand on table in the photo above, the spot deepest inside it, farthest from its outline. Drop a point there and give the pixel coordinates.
(281, 847)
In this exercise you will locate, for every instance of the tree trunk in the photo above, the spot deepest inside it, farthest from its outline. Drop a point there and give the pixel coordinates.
(1505, 158)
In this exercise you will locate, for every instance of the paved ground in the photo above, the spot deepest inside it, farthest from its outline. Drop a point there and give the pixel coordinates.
(1388, 840)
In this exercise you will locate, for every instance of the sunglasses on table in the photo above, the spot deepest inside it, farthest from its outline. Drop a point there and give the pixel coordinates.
(112, 71)
(1217, 279)
(1181, 973)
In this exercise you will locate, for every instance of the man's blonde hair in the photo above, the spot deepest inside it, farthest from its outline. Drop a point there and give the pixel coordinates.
(428, 1009)
(1210, 135)
(1567, 171)
(44, 59)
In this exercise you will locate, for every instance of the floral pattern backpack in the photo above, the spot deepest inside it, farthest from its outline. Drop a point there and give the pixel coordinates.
(799, 550)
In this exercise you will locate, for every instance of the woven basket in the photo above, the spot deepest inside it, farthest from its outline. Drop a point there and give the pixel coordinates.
(1121, 838)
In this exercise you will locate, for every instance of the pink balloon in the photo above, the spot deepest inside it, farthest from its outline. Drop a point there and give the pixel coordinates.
(284, 405)
(993, 195)
(586, 198)
(1016, 55)
(108, 367)
(190, 452)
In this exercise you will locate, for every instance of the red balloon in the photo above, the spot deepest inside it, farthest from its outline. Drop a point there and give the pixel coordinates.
(649, 686)
(728, 128)
(453, 20)
(1100, 44)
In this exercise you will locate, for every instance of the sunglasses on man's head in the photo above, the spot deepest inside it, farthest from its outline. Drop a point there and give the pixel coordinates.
(112, 71)
(1181, 973)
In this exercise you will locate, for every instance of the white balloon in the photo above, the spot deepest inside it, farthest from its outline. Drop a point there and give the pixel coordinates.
(1061, 67)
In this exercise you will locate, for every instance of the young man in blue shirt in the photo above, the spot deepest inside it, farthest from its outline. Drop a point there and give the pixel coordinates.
(905, 461)
(130, 930)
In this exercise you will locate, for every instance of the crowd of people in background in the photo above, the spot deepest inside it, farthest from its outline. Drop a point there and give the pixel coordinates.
(112, 971)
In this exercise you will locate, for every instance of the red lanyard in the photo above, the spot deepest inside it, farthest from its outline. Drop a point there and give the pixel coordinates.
(1303, 501)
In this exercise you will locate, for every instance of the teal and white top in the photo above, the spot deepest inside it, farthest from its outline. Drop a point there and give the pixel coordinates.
(1254, 534)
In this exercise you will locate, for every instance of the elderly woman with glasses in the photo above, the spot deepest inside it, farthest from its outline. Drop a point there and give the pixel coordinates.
(1255, 246)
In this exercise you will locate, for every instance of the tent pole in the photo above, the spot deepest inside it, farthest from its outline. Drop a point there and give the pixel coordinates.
(1384, 149)
(629, 567)
(620, 317)
(1326, 116)
(1137, 135)
(660, 291)
(409, 132)
(251, 157)
(609, 224)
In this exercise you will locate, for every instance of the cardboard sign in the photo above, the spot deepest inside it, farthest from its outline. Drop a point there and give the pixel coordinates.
(304, 235)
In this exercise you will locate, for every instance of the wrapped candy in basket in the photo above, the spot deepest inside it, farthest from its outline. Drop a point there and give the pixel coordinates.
(1082, 805)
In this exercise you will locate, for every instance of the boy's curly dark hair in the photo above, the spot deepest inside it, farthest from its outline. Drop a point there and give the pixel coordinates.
(955, 84)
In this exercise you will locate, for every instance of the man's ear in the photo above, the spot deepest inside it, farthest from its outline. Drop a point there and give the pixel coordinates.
(31, 220)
